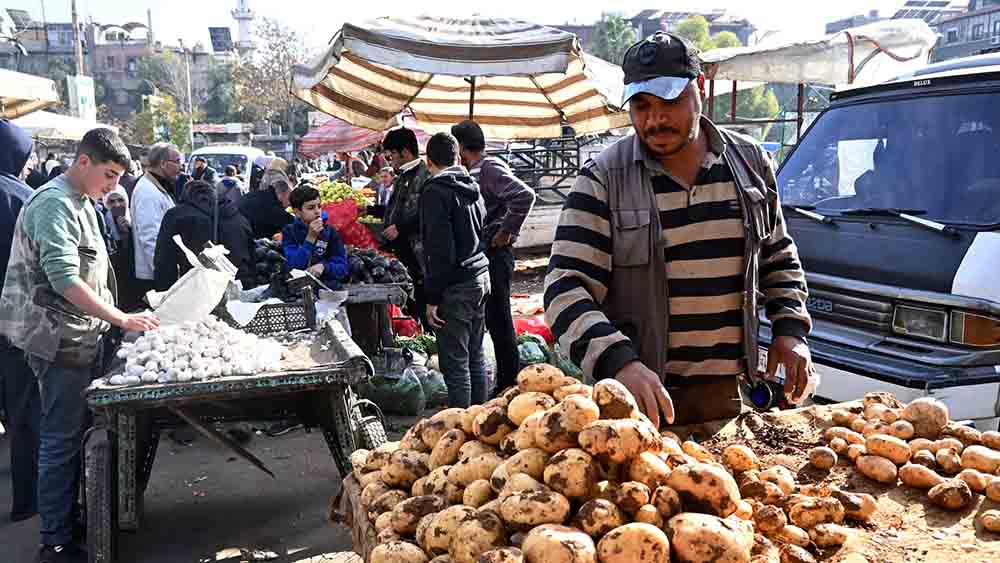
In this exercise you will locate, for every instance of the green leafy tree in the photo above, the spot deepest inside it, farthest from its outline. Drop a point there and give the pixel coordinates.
(726, 39)
(695, 30)
(160, 121)
(612, 38)
(754, 103)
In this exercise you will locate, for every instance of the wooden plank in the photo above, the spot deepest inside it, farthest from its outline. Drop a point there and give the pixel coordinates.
(350, 512)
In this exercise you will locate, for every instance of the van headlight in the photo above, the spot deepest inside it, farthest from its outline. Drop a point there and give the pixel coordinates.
(921, 323)
(974, 330)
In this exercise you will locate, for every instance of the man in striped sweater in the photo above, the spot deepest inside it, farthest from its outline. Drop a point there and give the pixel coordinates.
(664, 247)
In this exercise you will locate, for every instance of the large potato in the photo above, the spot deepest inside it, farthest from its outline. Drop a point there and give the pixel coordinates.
(379, 457)
(385, 502)
(764, 492)
(630, 496)
(619, 440)
(437, 537)
(878, 469)
(398, 552)
(474, 468)
(473, 448)
(531, 461)
(649, 469)
(780, 476)
(976, 481)
(571, 472)
(530, 509)
(492, 425)
(889, 447)
(928, 417)
(412, 440)
(526, 404)
(477, 493)
(703, 538)
(405, 467)
(814, 511)
(524, 436)
(667, 502)
(615, 400)
(551, 433)
(981, 459)
(991, 439)
(647, 514)
(705, 488)
(828, 535)
(948, 460)
(439, 424)
(740, 458)
(577, 412)
(574, 389)
(857, 506)
(372, 492)
(598, 516)
(478, 534)
(990, 520)
(953, 494)
(503, 555)
(445, 452)
(770, 519)
(552, 543)
(469, 419)
(634, 543)
(407, 514)
(542, 378)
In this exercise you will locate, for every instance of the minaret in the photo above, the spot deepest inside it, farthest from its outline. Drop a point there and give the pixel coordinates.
(244, 19)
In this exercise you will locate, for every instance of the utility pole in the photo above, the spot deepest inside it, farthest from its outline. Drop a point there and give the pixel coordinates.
(78, 47)
(187, 67)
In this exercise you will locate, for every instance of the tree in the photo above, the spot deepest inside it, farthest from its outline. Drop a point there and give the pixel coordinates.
(612, 38)
(754, 103)
(168, 73)
(695, 30)
(264, 80)
(159, 121)
(726, 39)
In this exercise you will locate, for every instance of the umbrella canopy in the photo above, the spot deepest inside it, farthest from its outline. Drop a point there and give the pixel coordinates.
(517, 80)
(48, 125)
(21, 94)
(337, 135)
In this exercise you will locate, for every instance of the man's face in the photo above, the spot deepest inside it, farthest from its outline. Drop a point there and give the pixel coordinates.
(199, 165)
(117, 205)
(666, 127)
(395, 158)
(385, 177)
(98, 178)
(310, 211)
(171, 167)
(284, 197)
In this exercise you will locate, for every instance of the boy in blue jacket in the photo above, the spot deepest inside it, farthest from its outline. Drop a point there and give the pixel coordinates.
(310, 244)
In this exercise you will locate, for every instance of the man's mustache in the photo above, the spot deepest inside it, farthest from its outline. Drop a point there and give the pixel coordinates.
(660, 130)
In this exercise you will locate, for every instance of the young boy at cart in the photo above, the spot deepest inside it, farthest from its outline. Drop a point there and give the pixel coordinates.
(310, 244)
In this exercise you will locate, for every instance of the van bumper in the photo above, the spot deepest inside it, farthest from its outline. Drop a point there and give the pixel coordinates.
(972, 393)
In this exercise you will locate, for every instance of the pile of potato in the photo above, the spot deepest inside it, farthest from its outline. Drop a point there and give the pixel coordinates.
(555, 471)
(919, 446)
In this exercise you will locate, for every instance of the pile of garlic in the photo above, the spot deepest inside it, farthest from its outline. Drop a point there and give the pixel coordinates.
(194, 352)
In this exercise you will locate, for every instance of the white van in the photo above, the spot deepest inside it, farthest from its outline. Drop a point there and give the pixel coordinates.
(221, 156)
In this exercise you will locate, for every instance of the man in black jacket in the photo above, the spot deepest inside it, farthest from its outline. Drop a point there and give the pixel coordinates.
(202, 171)
(265, 208)
(201, 217)
(452, 214)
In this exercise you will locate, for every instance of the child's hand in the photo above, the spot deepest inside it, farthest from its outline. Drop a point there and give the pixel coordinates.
(316, 227)
(317, 270)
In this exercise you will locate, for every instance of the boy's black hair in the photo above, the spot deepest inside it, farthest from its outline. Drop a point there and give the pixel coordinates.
(201, 159)
(399, 139)
(230, 170)
(303, 194)
(104, 145)
(469, 135)
(442, 150)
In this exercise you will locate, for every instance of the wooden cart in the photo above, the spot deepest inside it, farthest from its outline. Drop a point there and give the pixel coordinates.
(120, 448)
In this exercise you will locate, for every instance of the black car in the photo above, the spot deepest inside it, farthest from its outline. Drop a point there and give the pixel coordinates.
(893, 199)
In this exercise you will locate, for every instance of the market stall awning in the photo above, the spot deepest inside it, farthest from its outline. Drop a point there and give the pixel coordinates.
(337, 135)
(48, 125)
(519, 80)
(868, 54)
(21, 94)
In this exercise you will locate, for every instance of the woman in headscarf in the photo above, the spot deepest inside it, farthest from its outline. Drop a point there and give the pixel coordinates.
(118, 220)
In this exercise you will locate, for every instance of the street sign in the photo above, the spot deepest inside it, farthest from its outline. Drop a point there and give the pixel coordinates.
(222, 39)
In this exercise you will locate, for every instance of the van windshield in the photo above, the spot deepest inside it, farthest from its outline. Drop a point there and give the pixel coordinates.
(937, 154)
(220, 161)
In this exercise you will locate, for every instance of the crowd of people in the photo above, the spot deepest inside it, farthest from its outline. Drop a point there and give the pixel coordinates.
(84, 240)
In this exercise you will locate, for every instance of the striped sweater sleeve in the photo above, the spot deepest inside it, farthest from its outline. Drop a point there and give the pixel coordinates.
(782, 278)
(577, 280)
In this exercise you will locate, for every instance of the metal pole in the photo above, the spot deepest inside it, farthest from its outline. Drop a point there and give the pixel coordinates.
(802, 107)
(711, 99)
(187, 64)
(472, 96)
(732, 104)
(78, 48)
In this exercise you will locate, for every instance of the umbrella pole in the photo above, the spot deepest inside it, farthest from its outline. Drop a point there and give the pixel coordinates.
(472, 95)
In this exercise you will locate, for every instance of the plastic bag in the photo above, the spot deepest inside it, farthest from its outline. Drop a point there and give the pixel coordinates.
(341, 214)
(194, 296)
(534, 325)
(400, 393)
(565, 364)
(435, 388)
(530, 353)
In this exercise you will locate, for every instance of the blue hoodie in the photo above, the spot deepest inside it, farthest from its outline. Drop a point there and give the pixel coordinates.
(328, 249)
(15, 148)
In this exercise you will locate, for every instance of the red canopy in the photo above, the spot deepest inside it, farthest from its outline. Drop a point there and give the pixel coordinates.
(339, 136)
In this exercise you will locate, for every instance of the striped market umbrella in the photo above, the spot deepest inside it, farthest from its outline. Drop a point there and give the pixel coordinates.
(337, 135)
(516, 79)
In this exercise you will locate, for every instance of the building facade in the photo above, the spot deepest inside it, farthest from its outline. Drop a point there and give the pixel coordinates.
(974, 32)
(648, 22)
(853, 21)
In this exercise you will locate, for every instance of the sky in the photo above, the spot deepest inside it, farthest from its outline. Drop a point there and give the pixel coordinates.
(318, 21)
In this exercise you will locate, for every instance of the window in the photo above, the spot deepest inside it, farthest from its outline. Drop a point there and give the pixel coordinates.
(109, 61)
(952, 35)
(130, 67)
(996, 28)
(977, 31)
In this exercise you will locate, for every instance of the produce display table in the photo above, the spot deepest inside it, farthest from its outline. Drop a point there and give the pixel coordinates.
(906, 526)
(368, 310)
(121, 446)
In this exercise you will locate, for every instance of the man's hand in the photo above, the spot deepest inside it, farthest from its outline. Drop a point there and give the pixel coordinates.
(433, 318)
(648, 392)
(793, 353)
(139, 322)
(315, 228)
(123, 223)
(502, 239)
(317, 269)
(390, 232)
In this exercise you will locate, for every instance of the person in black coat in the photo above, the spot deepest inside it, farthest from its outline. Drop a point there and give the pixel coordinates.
(202, 171)
(266, 208)
(201, 217)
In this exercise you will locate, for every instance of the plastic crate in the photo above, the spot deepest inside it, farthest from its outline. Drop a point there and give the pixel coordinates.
(276, 318)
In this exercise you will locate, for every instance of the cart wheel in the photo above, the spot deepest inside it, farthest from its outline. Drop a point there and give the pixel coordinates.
(371, 427)
(100, 498)
(340, 438)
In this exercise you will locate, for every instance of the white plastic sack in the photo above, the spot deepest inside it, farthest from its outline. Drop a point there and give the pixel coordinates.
(194, 296)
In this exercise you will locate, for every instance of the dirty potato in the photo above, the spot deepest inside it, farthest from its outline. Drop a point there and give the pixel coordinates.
(859, 507)
(925, 458)
(445, 452)
(474, 468)
(953, 494)
(976, 481)
(618, 440)
(981, 459)
(919, 477)
(578, 412)
(437, 536)
(477, 493)
(770, 519)
(502, 555)
(492, 425)
(877, 468)
(530, 509)
(928, 417)
(478, 534)
(815, 511)
(526, 404)
(828, 535)
(572, 472)
(398, 552)
(551, 433)
(990, 520)
(823, 458)
(630, 496)
(573, 389)
(740, 458)
(780, 476)
(542, 378)
(598, 516)
(667, 502)
(650, 469)
(647, 514)
(889, 447)
(948, 460)
(634, 543)
(703, 537)
(615, 400)
(705, 488)
(552, 543)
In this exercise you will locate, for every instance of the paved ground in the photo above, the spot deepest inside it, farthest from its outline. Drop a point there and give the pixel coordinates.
(203, 505)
